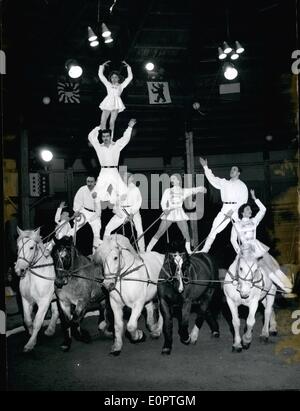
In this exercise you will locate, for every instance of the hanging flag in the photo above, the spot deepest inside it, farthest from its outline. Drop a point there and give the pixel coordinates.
(68, 92)
(158, 92)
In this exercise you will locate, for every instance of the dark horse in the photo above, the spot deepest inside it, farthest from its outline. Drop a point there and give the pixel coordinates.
(184, 281)
(78, 290)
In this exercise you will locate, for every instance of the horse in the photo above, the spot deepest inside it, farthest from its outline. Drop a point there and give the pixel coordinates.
(36, 269)
(247, 284)
(79, 284)
(185, 283)
(131, 280)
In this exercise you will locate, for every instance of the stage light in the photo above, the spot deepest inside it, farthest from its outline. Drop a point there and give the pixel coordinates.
(46, 100)
(94, 43)
(222, 55)
(239, 48)
(234, 56)
(227, 49)
(73, 68)
(149, 66)
(108, 40)
(91, 34)
(230, 72)
(46, 155)
(105, 31)
(269, 137)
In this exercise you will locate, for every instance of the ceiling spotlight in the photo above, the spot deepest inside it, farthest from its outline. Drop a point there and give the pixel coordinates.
(46, 155)
(105, 31)
(91, 34)
(46, 100)
(108, 40)
(94, 43)
(234, 56)
(230, 72)
(239, 48)
(73, 68)
(227, 48)
(222, 55)
(149, 66)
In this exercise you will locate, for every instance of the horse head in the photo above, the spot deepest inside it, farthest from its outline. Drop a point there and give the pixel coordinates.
(28, 250)
(247, 269)
(176, 262)
(63, 255)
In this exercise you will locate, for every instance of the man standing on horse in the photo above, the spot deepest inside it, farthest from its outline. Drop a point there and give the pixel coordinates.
(84, 205)
(234, 193)
(128, 210)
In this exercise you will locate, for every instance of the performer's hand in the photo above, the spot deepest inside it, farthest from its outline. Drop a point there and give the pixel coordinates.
(204, 190)
(62, 204)
(106, 63)
(132, 122)
(94, 194)
(76, 214)
(252, 192)
(203, 161)
(229, 213)
(167, 211)
(125, 64)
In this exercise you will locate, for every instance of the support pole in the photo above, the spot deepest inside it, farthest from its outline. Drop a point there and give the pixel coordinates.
(24, 181)
(191, 171)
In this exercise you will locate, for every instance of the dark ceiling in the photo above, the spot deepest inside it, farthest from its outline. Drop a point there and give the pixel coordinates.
(181, 37)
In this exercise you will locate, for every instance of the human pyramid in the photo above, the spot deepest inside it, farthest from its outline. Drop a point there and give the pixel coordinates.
(127, 200)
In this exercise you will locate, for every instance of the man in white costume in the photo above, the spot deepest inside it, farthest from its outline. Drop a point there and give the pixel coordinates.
(108, 155)
(234, 193)
(84, 205)
(128, 208)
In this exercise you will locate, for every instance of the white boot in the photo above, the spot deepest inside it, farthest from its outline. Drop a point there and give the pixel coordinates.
(207, 245)
(151, 244)
(188, 247)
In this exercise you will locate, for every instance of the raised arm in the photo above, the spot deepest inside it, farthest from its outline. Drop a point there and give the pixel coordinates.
(58, 212)
(102, 78)
(214, 181)
(93, 136)
(123, 141)
(262, 209)
(129, 76)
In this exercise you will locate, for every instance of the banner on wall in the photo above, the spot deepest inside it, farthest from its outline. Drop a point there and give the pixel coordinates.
(159, 92)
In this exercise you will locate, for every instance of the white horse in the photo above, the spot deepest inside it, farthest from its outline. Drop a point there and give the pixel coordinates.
(246, 284)
(35, 267)
(132, 282)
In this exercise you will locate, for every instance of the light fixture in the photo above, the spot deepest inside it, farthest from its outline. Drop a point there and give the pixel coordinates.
(149, 66)
(108, 40)
(227, 49)
(230, 72)
(46, 155)
(234, 55)
(222, 55)
(46, 100)
(239, 48)
(105, 31)
(94, 43)
(73, 68)
(91, 34)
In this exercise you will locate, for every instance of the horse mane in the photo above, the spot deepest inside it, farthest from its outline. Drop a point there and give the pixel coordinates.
(109, 242)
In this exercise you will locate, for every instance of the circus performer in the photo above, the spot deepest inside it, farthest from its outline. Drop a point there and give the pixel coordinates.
(112, 105)
(171, 203)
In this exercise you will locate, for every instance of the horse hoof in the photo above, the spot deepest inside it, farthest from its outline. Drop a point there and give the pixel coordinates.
(166, 351)
(65, 346)
(27, 349)
(236, 349)
(49, 333)
(246, 346)
(215, 334)
(115, 353)
(264, 339)
(142, 339)
(273, 333)
(186, 342)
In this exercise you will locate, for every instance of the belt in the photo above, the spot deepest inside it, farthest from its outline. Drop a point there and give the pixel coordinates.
(88, 209)
(109, 166)
(226, 202)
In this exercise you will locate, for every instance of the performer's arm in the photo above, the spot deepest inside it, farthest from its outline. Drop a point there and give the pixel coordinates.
(194, 190)
(214, 181)
(243, 195)
(165, 200)
(123, 141)
(137, 202)
(101, 75)
(78, 201)
(93, 137)
(262, 209)
(234, 238)
(129, 76)
(58, 213)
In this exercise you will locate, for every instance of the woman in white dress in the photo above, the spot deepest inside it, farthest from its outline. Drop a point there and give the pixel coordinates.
(171, 203)
(243, 235)
(112, 104)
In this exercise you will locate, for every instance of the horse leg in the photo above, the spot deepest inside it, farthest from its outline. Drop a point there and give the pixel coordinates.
(247, 337)
(37, 323)
(119, 326)
(64, 309)
(136, 334)
(237, 346)
(167, 315)
(273, 324)
(54, 317)
(106, 319)
(212, 323)
(198, 324)
(183, 323)
(27, 310)
(154, 327)
(79, 333)
(268, 304)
